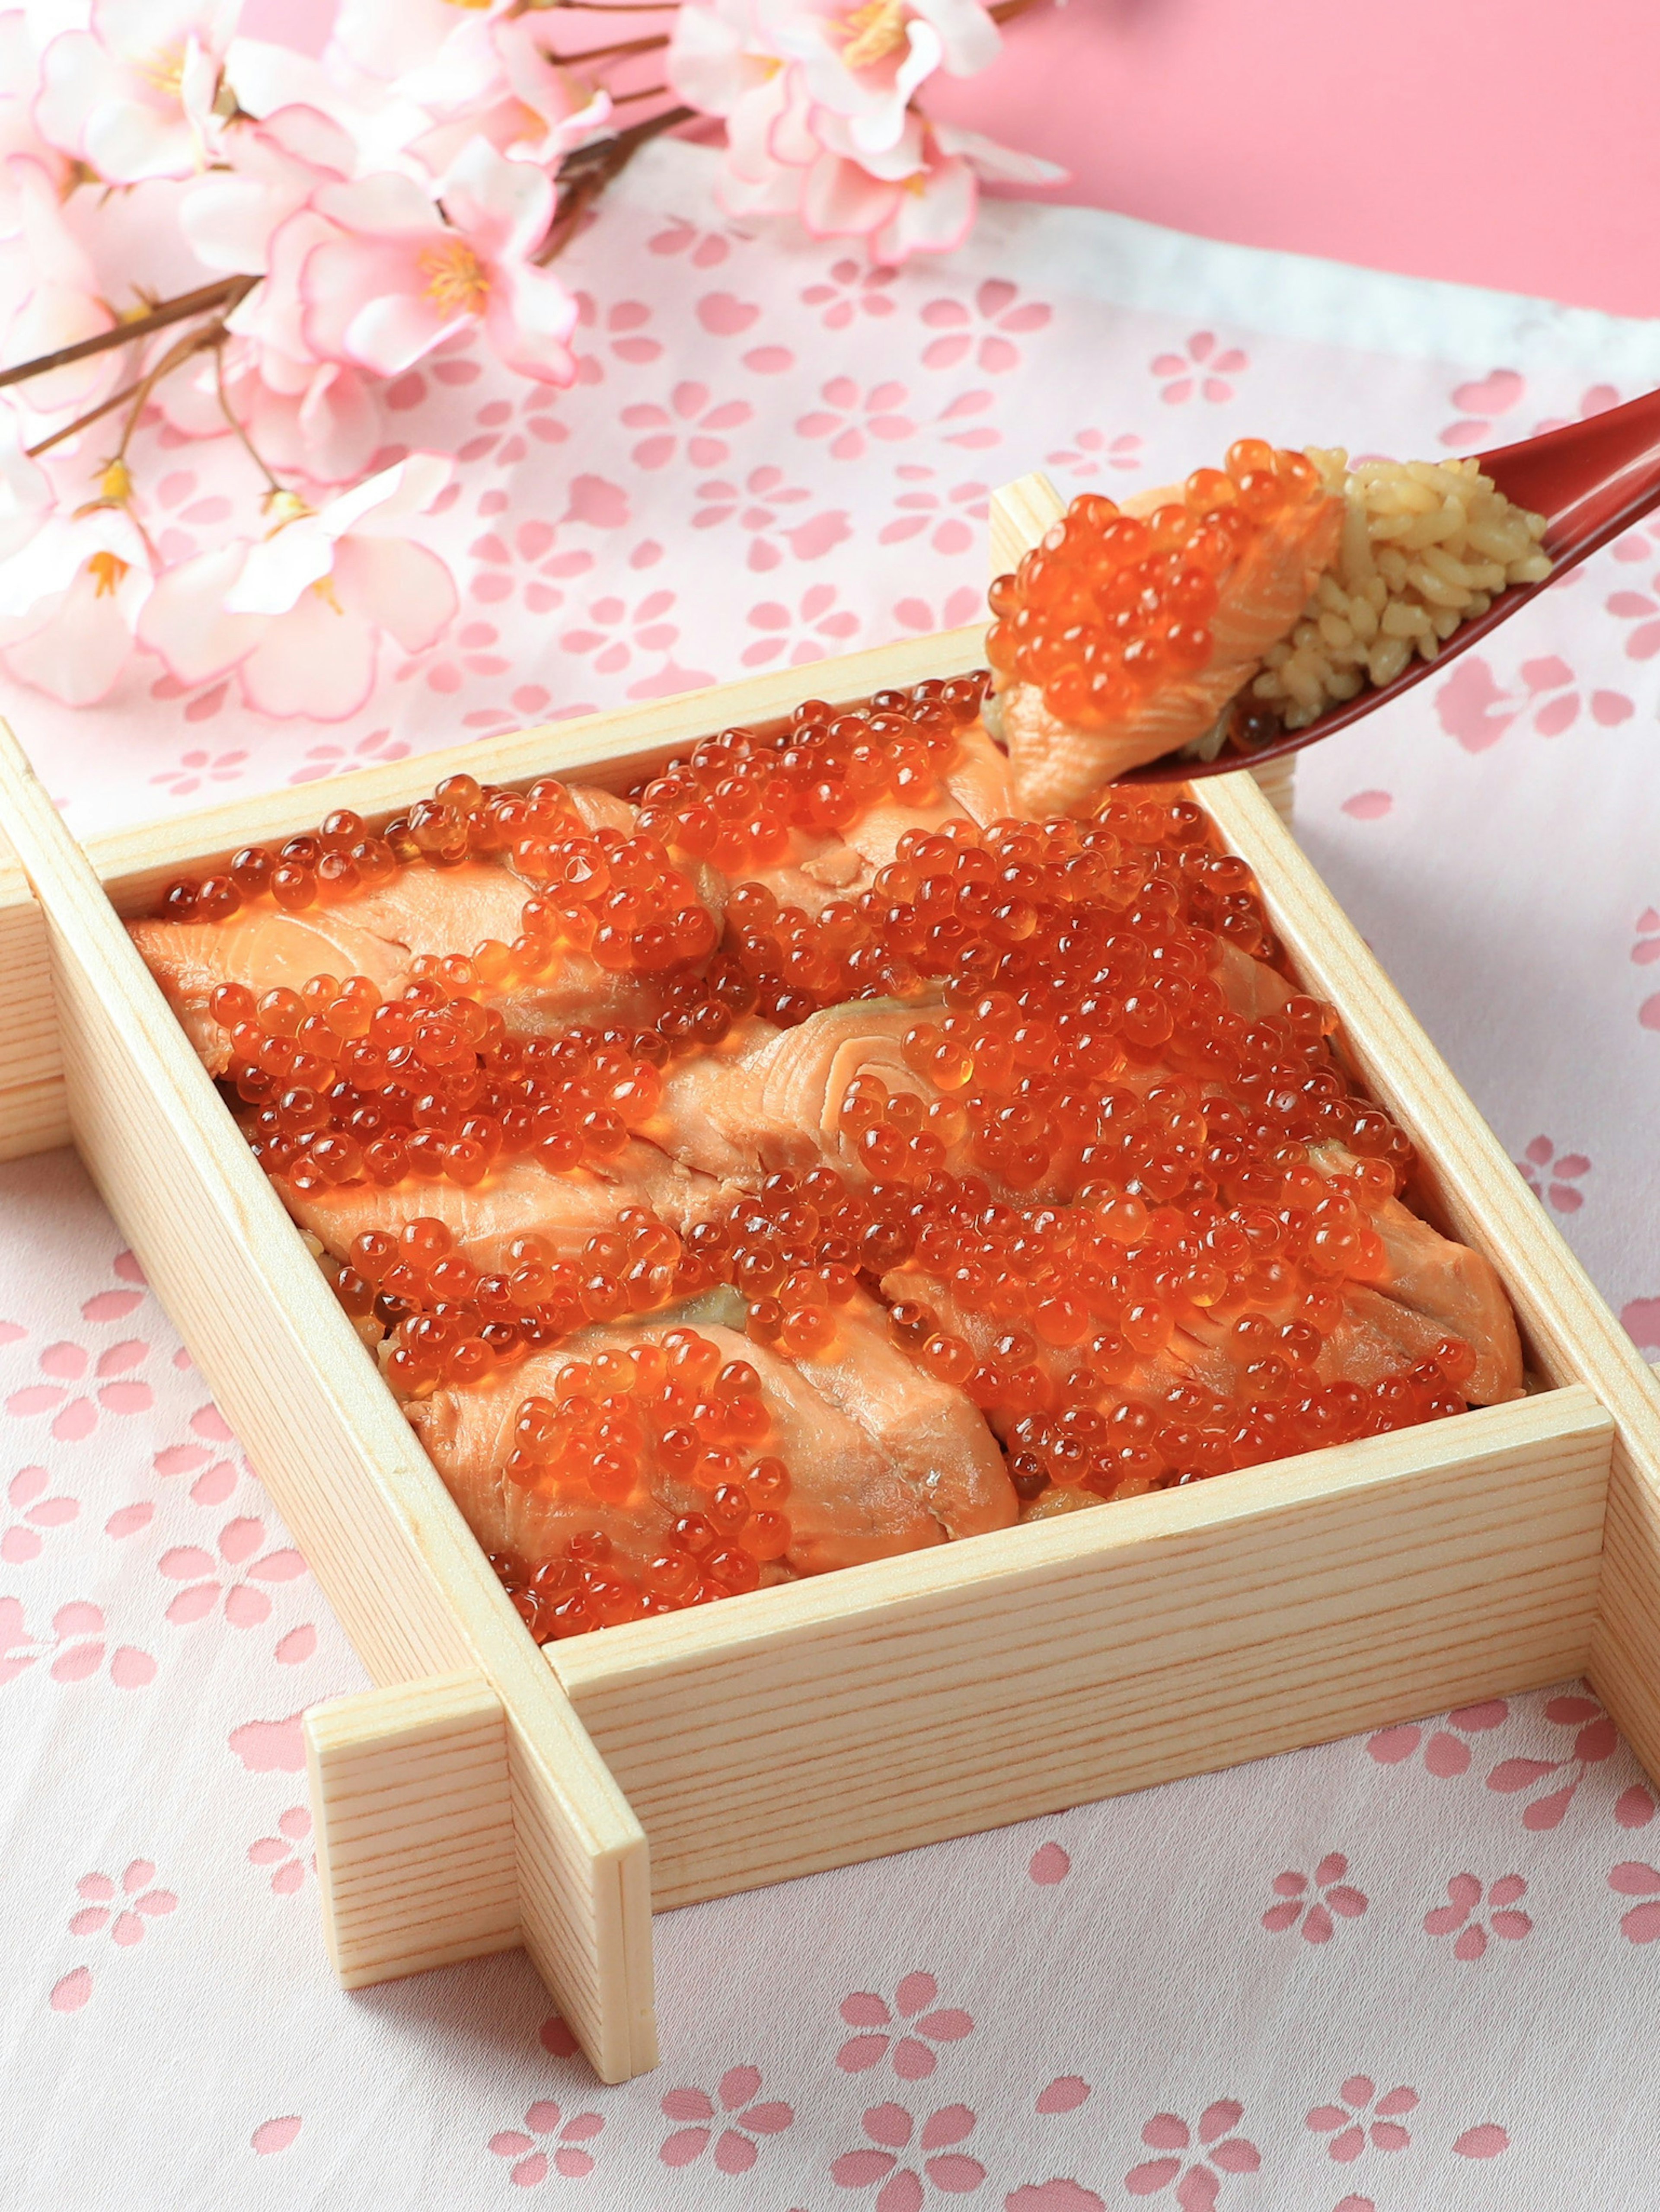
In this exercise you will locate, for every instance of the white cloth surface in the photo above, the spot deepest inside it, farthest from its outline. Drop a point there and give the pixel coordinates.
(1409, 1971)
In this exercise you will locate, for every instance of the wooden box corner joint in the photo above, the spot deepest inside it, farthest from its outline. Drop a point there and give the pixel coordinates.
(486, 1793)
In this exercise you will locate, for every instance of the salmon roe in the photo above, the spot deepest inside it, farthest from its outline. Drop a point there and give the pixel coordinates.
(1091, 1179)
(1111, 606)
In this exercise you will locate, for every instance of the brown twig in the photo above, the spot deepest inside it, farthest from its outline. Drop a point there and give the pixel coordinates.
(82, 421)
(231, 416)
(614, 52)
(223, 295)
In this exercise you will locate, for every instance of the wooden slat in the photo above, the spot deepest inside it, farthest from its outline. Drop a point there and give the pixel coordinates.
(892, 1704)
(613, 750)
(417, 1860)
(33, 1113)
(389, 1549)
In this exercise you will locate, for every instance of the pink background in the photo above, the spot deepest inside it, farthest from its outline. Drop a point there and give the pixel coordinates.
(1507, 142)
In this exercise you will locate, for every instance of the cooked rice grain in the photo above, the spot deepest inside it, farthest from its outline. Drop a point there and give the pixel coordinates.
(1425, 546)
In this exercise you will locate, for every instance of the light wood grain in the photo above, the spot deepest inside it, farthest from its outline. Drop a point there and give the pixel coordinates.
(888, 1705)
(416, 1858)
(34, 1115)
(389, 1549)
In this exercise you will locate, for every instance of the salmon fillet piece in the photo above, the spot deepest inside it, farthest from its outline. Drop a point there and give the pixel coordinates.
(769, 1099)
(379, 933)
(524, 1198)
(867, 1480)
(1057, 768)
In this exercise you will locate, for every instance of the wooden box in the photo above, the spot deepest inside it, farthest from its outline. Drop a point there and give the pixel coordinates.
(488, 1794)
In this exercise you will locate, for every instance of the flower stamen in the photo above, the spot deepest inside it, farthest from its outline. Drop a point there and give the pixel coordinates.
(873, 32)
(456, 281)
(108, 569)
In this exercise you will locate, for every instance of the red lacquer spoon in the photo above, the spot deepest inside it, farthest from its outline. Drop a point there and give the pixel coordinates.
(1590, 480)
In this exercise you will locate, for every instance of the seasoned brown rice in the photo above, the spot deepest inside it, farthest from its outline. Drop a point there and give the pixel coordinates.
(1425, 546)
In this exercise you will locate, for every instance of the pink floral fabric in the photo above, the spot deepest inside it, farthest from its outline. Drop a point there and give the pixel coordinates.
(1418, 1969)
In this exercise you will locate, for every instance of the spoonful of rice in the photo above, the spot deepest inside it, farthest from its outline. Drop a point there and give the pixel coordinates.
(1238, 617)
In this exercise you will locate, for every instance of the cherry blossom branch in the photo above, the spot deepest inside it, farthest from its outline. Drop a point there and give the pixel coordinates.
(223, 295)
(236, 423)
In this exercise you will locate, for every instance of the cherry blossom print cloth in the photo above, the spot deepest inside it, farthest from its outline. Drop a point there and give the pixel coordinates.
(1417, 1969)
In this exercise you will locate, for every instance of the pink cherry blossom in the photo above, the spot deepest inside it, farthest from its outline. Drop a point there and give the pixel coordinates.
(386, 39)
(862, 64)
(1198, 2181)
(920, 197)
(493, 78)
(566, 2136)
(394, 280)
(124, 1911)
(987, 329)
(1547, 1172)
(51, 295)
(133, 95)
(1199, 369)
(70, 604)
(75, 1649)
(906, 2032)
(742, 2114)
(1332, 1894)
(299, 615)
(1498, 1916)
(813, 629)
(1362, 2118)
(113, 1389)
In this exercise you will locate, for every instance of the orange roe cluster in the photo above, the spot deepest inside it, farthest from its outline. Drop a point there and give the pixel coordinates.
(1110, 606)
(673, 1407)
(348, 1087)
(1073, 1309)
(452, 1322)
(620, 899)
(738, 798)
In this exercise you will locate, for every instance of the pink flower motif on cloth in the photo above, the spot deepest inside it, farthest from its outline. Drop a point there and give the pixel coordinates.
(894, 2130)
(767, 508)
(77, 1647)
(1498, 1916)
(907, 2030)
(955, 610)
(1478, 403)
(25, 1494)
(1064, 2094)
(1049, 1863)
(1332, 1894)
(1475, 707)
(988, 330)
(273, 2136)
(1596, 1740)
(1548, 1172)
(848, 289)
(1595, 399)
(319, 761)
(1198, 2181)
(1642, 608)
(1199, 369)
(75, 1417)
(284, 1853)
(853, 414)
(1635, 1807)
(617, 633)
(1640, 1317)
(124, 1911)
(744, 2118)
(198, 767)
(242, 1546)
(1364, 2116)
(704, 249)
(1446, 1754)
(817, 629)
(567, 2156)
(621, 330)
(1092, 450)
(952, 519)
(1635, 1878)
(693, 415)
